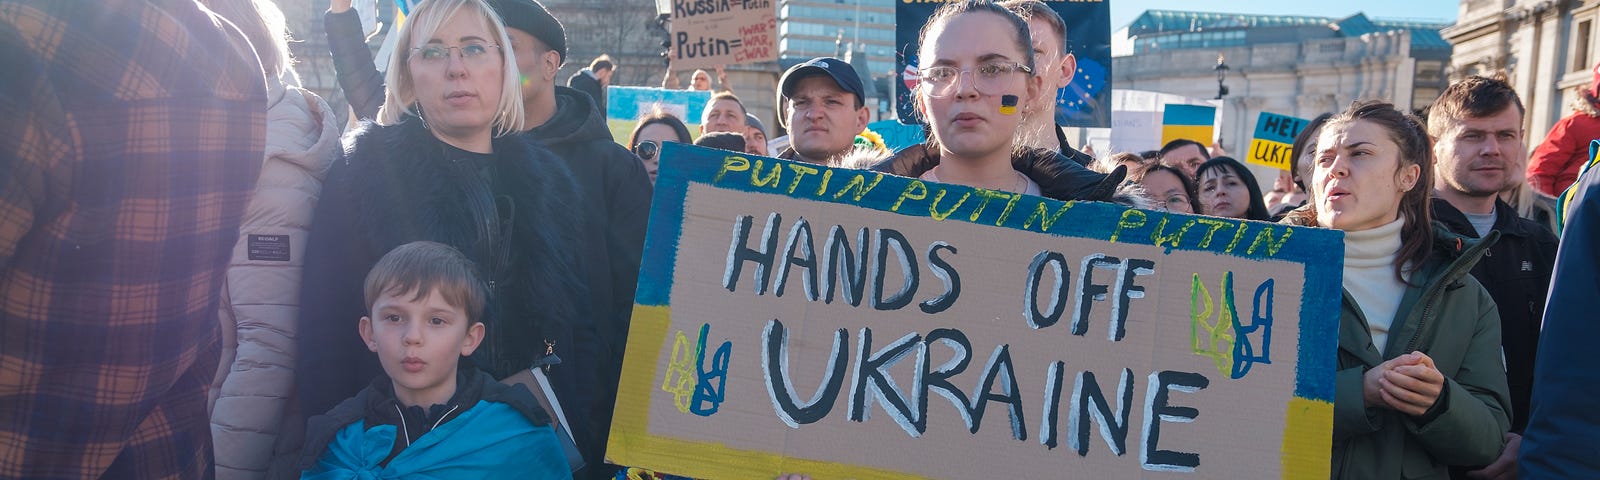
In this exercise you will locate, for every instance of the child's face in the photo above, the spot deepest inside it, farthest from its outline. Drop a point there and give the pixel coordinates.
(419, 343)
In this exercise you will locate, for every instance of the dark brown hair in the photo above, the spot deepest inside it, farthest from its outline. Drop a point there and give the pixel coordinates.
(1188, 185)
(420, 268)
(665, 118)
(1306, 138)
(1258, 207)
(1475, 97)
(1416, 238)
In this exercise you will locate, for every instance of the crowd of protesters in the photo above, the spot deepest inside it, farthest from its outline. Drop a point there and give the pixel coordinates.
(203, 275)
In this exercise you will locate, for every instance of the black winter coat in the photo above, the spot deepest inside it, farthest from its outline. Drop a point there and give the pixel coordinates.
(396, 184)
(1059, 177)
(1516, 272)
(614, 206)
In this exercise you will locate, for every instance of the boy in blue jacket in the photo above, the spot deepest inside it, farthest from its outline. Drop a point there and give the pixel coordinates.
(429, 416)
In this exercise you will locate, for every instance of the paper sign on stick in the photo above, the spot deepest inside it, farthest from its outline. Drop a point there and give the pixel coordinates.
(852, 324)
(707, 33)
(1190, 122)
(1273, 139)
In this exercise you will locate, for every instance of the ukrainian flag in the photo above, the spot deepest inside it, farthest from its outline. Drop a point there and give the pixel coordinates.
(1192, 122)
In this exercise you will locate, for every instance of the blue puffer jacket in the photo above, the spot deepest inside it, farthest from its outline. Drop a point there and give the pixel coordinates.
(1563, 435)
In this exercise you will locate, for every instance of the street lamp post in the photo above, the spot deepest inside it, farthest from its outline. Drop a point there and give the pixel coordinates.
(1222, 74)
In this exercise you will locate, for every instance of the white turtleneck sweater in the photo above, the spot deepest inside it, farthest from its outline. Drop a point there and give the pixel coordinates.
(1369, 277)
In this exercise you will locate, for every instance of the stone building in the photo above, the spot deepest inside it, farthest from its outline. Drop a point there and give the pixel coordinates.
(1546, 47)
(1293, 65)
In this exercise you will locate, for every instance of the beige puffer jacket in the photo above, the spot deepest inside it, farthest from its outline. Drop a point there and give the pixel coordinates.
(251, 403)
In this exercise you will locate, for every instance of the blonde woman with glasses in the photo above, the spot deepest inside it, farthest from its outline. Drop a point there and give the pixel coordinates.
(443, 163)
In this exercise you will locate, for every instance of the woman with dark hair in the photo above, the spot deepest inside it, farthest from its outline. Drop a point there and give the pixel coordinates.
(657, 127)
(977, 66)
(1168, 187)
(1420, 385)
(1229, 190)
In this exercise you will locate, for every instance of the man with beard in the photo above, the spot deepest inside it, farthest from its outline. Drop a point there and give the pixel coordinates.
(1476, 126)
(827, 109)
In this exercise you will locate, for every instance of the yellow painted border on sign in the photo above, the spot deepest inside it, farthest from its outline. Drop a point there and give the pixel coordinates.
(632, 444)
(1257, 144)
(1308, 425)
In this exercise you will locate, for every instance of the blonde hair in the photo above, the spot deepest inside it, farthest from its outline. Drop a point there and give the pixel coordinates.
(400, 98)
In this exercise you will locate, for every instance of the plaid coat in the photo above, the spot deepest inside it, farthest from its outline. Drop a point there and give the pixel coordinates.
(131, 133)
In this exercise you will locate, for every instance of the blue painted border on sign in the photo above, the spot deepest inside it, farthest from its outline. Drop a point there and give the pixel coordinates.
(1321, 251)
(1272, 135)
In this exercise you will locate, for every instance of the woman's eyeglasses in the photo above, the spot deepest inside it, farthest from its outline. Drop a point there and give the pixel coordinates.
(988, 78)
(437, 54)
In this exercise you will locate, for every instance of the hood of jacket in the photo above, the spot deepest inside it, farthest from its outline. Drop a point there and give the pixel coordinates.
(406, 189)
(1058, 176)
(577, 120)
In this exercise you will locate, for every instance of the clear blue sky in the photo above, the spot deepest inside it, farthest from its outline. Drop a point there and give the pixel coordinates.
(1124, 11)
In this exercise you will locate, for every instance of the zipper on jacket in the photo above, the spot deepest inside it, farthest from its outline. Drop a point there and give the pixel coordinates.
(1427, 311)
(403, 429)
(1451, 275)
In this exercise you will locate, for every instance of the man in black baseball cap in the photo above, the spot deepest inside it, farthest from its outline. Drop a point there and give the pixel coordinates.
(826, 109)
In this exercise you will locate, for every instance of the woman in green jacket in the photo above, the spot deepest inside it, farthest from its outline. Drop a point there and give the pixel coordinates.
(1420, 386)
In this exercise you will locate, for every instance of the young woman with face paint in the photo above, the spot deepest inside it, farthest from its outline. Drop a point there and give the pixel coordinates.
(1420, 386)
(977, 74)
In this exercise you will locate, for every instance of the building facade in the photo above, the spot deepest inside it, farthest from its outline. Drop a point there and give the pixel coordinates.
(1546, 47)
(1293, 65)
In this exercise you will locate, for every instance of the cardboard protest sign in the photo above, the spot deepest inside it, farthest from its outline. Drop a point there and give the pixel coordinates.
(707, 33)
(851, 324)
(629, 103)
(1273, 139)
(1086, 102)
(1189, 122)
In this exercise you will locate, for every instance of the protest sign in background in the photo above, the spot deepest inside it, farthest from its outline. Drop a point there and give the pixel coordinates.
(1136, 118)
(707, 33)
(630, 103)
(1188, 122)
(1273, 139)
(1084, 103)
(850, 324)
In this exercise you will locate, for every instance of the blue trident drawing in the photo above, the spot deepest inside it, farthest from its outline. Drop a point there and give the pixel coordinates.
(708, 398)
